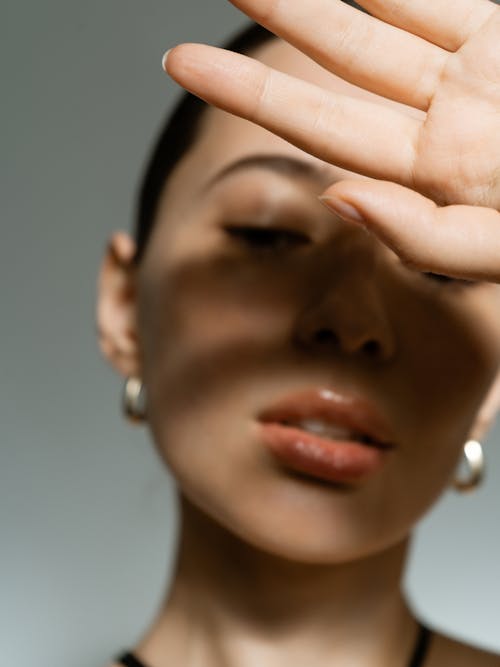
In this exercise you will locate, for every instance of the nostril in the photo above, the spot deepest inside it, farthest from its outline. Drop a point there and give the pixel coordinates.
(326, 336)
(371, 348)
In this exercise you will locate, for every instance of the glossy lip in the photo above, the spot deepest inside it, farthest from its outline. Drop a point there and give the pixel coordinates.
(344, 461)
(351, 412)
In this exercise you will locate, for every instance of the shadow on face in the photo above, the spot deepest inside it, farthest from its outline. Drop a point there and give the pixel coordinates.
(251, 290)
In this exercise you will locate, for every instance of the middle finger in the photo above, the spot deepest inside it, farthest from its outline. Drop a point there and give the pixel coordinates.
(356, 46)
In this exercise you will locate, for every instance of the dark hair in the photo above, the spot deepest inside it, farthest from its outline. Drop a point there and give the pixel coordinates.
(179, 133)
(176, 138)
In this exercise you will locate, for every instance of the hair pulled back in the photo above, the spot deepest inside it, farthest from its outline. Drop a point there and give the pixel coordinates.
(178, 134)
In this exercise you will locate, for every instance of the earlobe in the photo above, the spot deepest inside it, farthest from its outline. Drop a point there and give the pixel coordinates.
(116, 306)
(488, 411)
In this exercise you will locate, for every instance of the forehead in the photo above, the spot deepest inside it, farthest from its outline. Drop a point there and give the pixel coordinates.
(225, 138)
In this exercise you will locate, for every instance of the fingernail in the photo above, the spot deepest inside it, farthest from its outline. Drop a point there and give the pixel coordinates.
(343, 209)
(164, 60)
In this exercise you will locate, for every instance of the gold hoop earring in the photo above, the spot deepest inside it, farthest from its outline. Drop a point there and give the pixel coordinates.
(474, 460)
(133, 400)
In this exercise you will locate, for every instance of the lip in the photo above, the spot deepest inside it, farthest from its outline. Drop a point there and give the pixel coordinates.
(352, 412)
(335, 460)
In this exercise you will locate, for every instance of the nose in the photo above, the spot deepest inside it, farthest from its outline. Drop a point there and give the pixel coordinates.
(348, 316)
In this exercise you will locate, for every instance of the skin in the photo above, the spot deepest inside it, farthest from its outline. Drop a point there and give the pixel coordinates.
(273, 568)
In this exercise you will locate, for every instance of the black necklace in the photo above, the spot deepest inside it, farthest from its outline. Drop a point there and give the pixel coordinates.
(417, 658)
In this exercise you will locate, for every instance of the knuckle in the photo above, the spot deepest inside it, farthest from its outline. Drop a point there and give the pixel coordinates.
(322, 113)
(411, 260)
(263, 87)
(268, 12)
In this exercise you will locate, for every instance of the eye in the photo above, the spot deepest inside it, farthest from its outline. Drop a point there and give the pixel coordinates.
(266, 240)
(440, 278)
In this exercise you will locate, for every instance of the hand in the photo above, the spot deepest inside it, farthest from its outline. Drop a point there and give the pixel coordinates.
(433, 192)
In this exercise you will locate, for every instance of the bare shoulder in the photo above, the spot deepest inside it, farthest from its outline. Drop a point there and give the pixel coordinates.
(448, 651)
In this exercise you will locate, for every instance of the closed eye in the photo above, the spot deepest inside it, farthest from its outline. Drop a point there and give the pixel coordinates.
(266, 239)
(439, 277)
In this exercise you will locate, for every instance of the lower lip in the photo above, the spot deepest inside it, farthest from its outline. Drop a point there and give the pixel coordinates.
(330, 460)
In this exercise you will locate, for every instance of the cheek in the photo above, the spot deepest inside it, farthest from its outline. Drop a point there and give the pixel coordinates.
(452, 356)
(213, 335)
(208, 327)
(449, 356)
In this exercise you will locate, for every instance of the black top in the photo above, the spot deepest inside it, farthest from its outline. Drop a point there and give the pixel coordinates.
(129, 660)
(417, 658)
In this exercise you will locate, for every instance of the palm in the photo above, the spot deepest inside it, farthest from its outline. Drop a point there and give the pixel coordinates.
(441, 58)
(457, 158)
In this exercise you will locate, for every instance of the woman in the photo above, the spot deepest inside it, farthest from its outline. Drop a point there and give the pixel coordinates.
(312, 383)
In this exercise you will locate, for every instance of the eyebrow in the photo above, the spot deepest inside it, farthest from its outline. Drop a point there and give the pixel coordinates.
(285, 165)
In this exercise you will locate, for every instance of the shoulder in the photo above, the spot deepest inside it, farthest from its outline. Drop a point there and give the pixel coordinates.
(449, 651)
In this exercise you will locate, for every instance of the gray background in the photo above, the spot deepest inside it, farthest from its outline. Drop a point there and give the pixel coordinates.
(88, 516)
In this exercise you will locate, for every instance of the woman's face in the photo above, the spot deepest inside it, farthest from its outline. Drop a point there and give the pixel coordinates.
(227, 324)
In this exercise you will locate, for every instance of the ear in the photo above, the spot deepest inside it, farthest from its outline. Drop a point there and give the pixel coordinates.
(488, 411)
(116, 308)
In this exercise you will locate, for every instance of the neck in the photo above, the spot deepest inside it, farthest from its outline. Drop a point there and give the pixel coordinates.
(230, 603)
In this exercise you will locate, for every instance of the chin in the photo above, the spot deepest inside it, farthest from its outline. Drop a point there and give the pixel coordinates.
(314, 548)
(308, 522)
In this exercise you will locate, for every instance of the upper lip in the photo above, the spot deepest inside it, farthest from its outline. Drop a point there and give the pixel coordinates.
(352, 412)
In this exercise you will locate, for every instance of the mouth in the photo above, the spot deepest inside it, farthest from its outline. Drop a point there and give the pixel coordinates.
(327, 430)
(327, 435)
